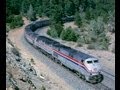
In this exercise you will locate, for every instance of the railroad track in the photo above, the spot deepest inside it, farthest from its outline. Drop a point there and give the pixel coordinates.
(107, 74)
(101, 86)
(98, 86)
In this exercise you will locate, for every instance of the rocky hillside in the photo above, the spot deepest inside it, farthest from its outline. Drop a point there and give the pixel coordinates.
(20, 74)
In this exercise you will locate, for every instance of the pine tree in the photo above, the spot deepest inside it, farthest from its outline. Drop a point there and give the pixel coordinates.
(63, 35)
(23, 8)
(59, 29)
(57, 15)
(78, 20)
(31, 14)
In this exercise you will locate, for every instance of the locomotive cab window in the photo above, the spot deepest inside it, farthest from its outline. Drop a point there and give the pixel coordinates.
(95, 61)
(89, 62)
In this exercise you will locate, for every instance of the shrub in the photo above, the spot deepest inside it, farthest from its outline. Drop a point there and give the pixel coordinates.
(63, 35)
(43, 88)
(9, 19)
(87, 39)
(59, 28)
(89, 15)
(113, 50)
(52, 32)
(79, 44)
(97, 34)
(15, 21)
(72, 36)
(69, 35)
(7, 28)
(111, 27)
(78, 20)
(81, 39)
(48, 32)
(91, 46)
(55, 30)
(96, 27)
(16, 88)
(16, 52)
(84, 38)
(104, 45)
(32, 60)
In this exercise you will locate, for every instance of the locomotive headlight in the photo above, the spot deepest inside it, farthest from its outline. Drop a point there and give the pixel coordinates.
(95, 69)
(90, 70)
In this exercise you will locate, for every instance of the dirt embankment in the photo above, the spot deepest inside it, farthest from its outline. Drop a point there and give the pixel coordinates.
(20, 74)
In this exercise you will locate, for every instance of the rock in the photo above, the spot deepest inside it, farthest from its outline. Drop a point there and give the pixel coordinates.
(18, 59)
(31, 69)
(15, 51)
(10, 88)
(19, 72)
(8, 76)
(42, 77)
(24, 79)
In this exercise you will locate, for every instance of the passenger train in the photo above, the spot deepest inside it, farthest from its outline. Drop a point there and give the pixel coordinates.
(87, 67)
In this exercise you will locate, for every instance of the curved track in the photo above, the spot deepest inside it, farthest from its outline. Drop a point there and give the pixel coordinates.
(72, 79)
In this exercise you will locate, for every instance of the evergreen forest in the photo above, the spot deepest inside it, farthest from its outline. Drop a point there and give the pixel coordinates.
(91, 17)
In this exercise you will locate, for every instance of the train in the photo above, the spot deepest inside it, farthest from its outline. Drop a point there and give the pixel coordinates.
(86, 66)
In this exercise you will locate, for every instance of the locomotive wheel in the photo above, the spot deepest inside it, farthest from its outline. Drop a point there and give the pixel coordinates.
(100, 78)
(48, 56)
(96, 79)
(81, 76)
(61, 63)
(57, 61)
(93, 81)
(51, 57)
(77, 73)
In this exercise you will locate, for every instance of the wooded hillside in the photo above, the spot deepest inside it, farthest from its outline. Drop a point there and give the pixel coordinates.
(92, 14)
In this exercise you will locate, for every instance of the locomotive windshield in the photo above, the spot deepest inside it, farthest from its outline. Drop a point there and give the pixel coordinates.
(95, 61)
(89, 62)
